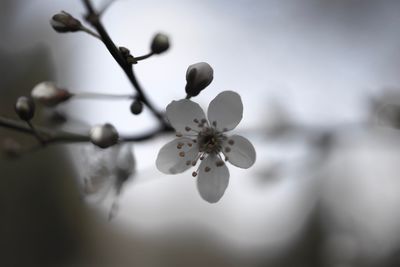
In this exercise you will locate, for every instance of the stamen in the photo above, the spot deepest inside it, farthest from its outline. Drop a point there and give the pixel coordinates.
(225, 129)
(231, 142)
(194, 174)
(181, 154)
(226, 158)
(178, 135)
(180, 145)
(207, 169)
(190, 144)
(187, 128)
(203, 121)
(219, 163)
(188, 163)
(214, 123)
(194, 141)
(196, 121)
(202, 157)
(227, 149)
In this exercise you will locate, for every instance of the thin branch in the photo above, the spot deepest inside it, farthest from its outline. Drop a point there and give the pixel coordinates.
(94, 19)
(92, 95)
(49, 136)
(144, 56)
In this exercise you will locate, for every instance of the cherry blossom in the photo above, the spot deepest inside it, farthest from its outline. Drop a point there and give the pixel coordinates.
(206, 141)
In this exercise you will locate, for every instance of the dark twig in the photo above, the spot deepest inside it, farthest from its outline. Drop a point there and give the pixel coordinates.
(94, 19)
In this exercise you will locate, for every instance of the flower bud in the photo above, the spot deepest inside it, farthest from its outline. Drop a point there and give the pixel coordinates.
(160, 43)
(104, 135)
(64, 22)
(25, 108)
(11, 148)
(136, 107)
(48, 94)
(198, 77)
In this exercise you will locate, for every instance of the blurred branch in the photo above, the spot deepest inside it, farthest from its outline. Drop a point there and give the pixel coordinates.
(49, 136)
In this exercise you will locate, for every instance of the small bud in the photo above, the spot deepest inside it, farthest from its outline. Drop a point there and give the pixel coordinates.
(198, 77)
(160, 43)
(63, 22)
(11, 148)
(104, 135)
(136, 107)
(25, 108)
(124, 51)
(48, 94)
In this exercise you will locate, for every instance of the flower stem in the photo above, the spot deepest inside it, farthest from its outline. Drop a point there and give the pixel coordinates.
(90, 95)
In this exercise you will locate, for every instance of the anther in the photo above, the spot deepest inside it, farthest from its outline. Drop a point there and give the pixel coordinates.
(194, 141)
(188, 163)
(181, 154)
(219, 163)
(196, 121)
(194, 174)
(178, 135)
(189, 144)
(227, 149)
(187, 128)
(202, 157)
(231, 142)
(207, 169)
(203, 121)
(226, 158)
(180, 145)
(214, 123)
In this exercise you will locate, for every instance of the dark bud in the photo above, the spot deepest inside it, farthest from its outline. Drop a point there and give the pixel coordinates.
(160, 43)
(25, 108)
(136, 107)
(127, 55)
(104, 135)
(11, 148)
(198, 77)
(64, 22)
(124, 51)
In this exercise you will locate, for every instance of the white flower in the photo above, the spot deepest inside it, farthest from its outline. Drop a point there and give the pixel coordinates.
(199, 139)
(105, 173)
(106, 169)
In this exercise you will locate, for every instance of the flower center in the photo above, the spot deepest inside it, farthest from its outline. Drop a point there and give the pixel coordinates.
(210, 140)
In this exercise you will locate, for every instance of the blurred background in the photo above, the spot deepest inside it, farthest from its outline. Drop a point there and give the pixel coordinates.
(320, 87)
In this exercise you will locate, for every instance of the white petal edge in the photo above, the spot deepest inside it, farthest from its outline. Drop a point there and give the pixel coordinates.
(242, 153)
(212, 184)
(226, 109)
(182, 113)
(170, 162)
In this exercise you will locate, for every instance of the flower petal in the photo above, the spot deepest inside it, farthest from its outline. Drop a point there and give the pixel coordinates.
(239, 151)
(185, 113)
(226, 110)
(172, 160)
(213, 180)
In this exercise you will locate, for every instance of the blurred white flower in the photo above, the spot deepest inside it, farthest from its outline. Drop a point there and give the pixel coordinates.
(205, 140)
(106, 171)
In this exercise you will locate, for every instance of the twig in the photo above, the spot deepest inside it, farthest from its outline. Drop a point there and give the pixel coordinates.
(94, 19)
(49, 136)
